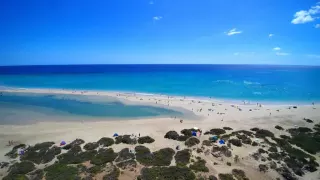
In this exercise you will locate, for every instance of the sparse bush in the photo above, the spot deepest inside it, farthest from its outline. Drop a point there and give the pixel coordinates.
(226, 177)
(199, 166)
(105, 141)
(182, 157)
(235, 142)
(187, 132)
(192, 141)
(216, 131)
(124, 155)
(145, 139)
(263, 168)
(90, 146)
(171, 172)
(239, 174)
(182, 138)
(125, 139)
(171, 135)
(273, 149)
(227, 128)
(207, 143)
(61, 171)
(103, 156)
(254, 129)
(279, 127)
(13, 153)
(127, 164)
(262, 133)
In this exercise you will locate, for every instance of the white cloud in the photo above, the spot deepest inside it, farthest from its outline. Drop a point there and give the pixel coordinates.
(282, 54)
(316, 56)
(270, 35)
(305, 16)
(157, 18)
(276, 49)
(317, 26)
(233, 32)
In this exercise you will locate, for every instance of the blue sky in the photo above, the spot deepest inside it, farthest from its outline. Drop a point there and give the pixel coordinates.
(160, 31)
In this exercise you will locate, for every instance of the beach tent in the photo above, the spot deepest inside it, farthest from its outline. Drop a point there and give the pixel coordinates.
(195, 128)
(194, 133)
(214, 138)
(221, 141)
(63, 143)
(115, 135)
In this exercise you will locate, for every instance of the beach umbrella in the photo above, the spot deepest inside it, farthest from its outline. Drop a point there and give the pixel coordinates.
(195, 128)
(115, 135)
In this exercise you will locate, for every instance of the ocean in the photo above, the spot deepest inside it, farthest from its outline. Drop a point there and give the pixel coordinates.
(256, 83)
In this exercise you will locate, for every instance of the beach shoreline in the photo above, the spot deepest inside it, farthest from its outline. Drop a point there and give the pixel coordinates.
(215, 114)
(114, 93)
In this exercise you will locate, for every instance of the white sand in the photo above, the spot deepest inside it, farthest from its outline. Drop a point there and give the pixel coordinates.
(157, 127)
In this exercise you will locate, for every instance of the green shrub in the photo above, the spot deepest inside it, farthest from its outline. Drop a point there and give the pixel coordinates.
(254, 129)
(124, 155)
(59, 171)
(279, 127)
(113, 175)
(239, 174)
(127, 164)
(226, 177)
(76, 142)
(13, 153)
(145, 139)
(15, 177)
(182, 157)
(163, 157)
(206, 143)
(262, 133)
(192, 141)
(21, 168)
(273, 149)
(199, 166)
(90, 146)
(182, 138)
(105, 141)
(103, 156)
(215, 131)
(171, 135)
(125, 139)
(235, 142)
(171, 172)
(95, 169)
(227, 128)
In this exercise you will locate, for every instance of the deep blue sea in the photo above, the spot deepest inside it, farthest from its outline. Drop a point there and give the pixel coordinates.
(233, 82)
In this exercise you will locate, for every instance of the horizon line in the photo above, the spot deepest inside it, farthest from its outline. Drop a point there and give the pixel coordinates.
(157, 64)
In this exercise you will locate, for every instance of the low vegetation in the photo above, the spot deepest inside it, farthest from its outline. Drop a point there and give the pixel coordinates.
(105, 141)
(171, 135)
(171, 172)
(145, 139)
(182, 157)
(192, 141)
(125, 139)
(199, 166)
(215, 131)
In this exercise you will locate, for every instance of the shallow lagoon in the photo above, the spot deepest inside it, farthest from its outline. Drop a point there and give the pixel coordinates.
(17, 108)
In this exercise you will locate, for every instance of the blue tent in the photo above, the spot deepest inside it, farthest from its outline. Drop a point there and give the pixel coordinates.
(115, 135)
(194, 133)
(214, 138)
(221, 141)
(63, 143)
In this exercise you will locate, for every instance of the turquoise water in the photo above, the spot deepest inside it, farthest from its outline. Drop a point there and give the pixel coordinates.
(28, 107)
(232, 82)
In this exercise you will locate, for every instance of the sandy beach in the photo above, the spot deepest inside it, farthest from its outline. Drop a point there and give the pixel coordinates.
(210, 114)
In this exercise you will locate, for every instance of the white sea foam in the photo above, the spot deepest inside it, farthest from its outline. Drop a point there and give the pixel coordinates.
(224, 81)
(257, 93)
